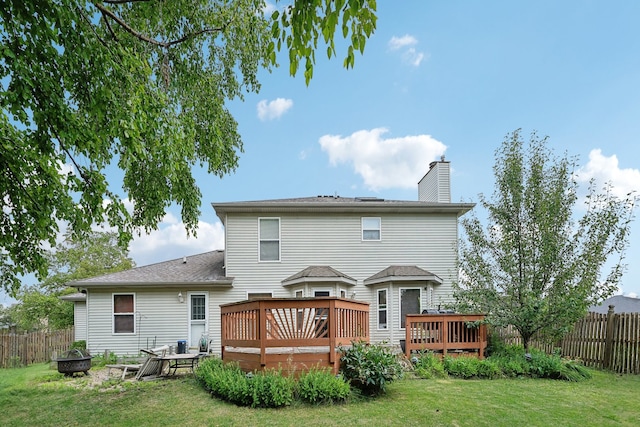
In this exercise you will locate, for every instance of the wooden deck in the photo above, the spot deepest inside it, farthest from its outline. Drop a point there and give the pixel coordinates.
(446, 334)
(292, 334)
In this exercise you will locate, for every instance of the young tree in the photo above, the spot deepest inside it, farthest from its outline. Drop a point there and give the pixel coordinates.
(535, 266)
(73, 259)
(141, 85)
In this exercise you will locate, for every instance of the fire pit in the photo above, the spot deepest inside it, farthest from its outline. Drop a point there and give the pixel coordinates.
(73, 361)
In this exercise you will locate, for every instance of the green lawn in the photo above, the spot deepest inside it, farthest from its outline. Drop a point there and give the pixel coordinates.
(39, 396)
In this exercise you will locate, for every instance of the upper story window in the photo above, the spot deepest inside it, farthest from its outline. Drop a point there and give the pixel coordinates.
(371, 228)
(269, 231)
(123, 313)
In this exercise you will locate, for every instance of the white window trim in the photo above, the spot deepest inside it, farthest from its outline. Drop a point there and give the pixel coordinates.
(362, 229)
(206, 314)
(385, 309)
(279, 239)
(113, 314)
(400, 303)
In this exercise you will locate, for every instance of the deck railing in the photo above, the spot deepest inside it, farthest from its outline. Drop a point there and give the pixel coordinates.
(446, 333)
(294, 322)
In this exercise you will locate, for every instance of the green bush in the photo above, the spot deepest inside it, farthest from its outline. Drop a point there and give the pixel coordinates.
(102, 360)
(513, 362)
(369, 367)
(321, 386)
(461, 367)
(427, 365)
(268, 389)
(80, 345)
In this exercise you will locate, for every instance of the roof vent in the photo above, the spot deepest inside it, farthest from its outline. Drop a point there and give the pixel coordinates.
(369, 199)
(184, 260)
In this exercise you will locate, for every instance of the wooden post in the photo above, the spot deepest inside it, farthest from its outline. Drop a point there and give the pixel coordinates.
(608, 339)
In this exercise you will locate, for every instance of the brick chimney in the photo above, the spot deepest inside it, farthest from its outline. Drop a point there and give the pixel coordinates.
(435, 186)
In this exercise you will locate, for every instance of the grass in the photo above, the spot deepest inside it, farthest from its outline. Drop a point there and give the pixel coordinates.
(39, 396)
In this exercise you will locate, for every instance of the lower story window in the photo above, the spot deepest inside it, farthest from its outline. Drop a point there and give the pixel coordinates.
(123, 313)
(382, 309)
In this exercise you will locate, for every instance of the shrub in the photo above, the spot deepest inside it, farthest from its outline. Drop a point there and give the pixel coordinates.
(461, 367)
(80, 345)
(321, 386)
(102, 360)
(268, 389)
(369, 367)
(513, 361)
(428, 365)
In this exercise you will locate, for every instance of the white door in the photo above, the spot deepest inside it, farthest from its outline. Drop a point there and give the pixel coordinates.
(198, 313)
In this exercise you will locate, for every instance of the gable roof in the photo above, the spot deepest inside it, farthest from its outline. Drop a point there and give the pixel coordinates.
(337, 204)
(318, 273)
(202, 269)
(621, 304)
(402, 273)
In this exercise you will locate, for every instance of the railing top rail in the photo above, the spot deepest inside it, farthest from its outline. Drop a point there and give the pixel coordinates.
(293, 303)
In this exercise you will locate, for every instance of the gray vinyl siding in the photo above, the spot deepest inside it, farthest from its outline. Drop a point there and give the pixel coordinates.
(427, 241)
(80, 320)
(160, 320)
(436, 185)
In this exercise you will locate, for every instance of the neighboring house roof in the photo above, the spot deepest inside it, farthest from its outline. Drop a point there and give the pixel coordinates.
(319, 273)
(202, 269)
(621, 303)
(323, 204)
(77, 297)
(402, 273)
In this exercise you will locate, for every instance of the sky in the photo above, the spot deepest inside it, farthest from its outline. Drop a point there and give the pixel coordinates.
(437, 78)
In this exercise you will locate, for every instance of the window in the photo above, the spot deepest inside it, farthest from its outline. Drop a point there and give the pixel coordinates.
(269, 230)
(382, 309)
(123, 314)
(370, 228)
(255, 295)
(198, 318)
(409, 303)
(299, 294)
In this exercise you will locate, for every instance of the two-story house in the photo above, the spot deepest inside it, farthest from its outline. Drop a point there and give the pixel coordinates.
(399, 256)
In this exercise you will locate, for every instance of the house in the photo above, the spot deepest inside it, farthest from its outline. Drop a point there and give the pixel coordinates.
(621, 303)
(399, 256)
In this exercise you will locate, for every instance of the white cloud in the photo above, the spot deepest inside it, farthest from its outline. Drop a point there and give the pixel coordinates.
(273, 109)
(605, 169)
(268, 8)
(409, 53)
(170, 241)
(412, 57)
(384, 163)
(399, 42)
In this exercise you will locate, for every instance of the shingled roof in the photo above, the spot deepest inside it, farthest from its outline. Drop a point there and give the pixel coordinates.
(202, 269)
(402, 273)
(318, 273)
(337, 204)
(621, 303)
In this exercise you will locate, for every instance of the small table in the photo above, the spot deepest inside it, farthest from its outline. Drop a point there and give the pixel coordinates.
(180, 360)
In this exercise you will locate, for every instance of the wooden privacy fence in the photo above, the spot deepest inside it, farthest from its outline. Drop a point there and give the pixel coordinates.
(609, 341)
(33, 347)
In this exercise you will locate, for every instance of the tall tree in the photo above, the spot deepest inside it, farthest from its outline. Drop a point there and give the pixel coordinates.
(73, 259)
(141, 85)
(537, 265)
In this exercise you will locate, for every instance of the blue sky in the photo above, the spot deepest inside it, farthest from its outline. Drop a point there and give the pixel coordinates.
(437, 78)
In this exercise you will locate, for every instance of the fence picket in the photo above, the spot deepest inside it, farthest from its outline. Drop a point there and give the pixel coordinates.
(34, 347)
(587, 341)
